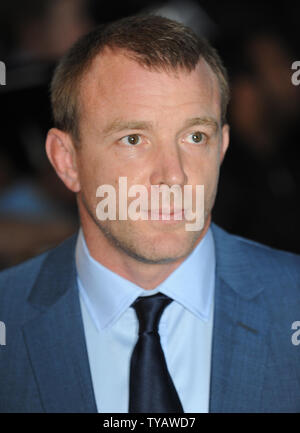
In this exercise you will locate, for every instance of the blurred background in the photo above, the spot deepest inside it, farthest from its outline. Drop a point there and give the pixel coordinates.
(260, 177)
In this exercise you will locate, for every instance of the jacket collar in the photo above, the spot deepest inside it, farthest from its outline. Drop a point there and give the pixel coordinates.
(241, 326)
(55, 337)
(234, 264)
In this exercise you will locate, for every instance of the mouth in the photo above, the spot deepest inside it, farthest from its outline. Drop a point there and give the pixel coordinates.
(166, 215)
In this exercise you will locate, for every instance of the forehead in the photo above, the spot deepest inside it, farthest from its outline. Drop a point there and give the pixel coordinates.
(115, 82)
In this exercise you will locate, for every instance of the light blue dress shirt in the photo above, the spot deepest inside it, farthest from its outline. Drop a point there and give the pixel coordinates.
(111, 326)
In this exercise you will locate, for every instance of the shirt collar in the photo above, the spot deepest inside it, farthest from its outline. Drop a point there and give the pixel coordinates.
(107, 295)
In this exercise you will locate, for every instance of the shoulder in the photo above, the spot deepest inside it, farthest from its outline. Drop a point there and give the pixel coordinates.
(269, 255)
(21, 274)
(256, 252)
(15, 286)
(16, 282)
(257, 264)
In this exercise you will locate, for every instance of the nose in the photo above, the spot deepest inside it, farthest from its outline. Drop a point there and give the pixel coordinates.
(168, 168)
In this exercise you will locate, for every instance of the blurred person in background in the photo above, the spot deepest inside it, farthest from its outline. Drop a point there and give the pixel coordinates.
(259, 194)
(36, 210)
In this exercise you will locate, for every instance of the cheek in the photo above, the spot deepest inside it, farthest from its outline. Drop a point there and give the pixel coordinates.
(92, 163)
(205, 168)
(205, 172)
(91, 175)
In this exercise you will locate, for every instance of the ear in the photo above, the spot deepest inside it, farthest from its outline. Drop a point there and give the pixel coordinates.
(62, 155)
(224, 142)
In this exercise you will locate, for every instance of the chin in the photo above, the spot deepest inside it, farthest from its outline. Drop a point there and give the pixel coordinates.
(160, 256)
(163, 248)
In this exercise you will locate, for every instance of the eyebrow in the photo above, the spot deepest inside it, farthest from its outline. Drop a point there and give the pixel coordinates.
(204, 121)
(119, 125)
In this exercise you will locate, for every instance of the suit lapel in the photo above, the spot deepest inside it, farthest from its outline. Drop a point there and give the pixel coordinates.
(241, 325)
(55, 336)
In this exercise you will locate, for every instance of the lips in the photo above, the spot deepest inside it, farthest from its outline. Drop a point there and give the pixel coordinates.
(166, 214)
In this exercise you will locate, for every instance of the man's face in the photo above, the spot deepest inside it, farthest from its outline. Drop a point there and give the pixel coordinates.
(154, 128)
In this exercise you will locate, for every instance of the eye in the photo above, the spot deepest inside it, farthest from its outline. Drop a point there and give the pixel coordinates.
(196, 137)
(131, 139)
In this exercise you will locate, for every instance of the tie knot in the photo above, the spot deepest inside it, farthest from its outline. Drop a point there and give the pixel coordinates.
(149, 310)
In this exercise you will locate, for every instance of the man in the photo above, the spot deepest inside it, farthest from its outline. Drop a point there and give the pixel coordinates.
(142, 314)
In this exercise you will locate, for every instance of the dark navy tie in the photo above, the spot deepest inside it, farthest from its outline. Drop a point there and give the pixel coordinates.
(151, 387)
